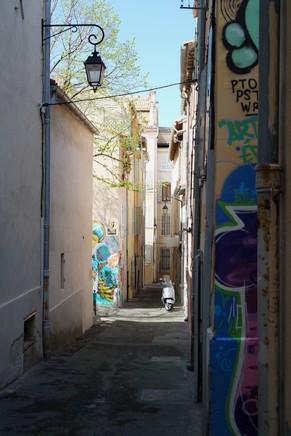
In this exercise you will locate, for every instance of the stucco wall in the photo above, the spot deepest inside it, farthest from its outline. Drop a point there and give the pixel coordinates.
(70, 302)
(20, 181)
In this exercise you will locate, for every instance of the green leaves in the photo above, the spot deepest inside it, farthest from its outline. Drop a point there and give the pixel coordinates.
(115, 146)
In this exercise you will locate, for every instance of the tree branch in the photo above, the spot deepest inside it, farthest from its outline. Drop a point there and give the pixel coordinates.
(108, 156)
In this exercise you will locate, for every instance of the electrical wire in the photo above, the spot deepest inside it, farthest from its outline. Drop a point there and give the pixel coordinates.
(119, 95)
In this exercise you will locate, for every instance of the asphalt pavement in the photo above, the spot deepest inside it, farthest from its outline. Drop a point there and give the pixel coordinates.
(126, 377)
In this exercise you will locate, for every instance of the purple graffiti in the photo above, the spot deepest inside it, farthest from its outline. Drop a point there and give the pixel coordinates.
(236, 270)
(236, 257)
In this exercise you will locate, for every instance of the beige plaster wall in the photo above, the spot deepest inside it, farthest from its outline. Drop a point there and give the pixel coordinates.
(71, 309)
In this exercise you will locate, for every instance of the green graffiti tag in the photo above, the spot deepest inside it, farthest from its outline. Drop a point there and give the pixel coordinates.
(243, 134)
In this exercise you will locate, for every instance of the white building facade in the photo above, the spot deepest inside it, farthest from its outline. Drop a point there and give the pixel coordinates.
(20, 187)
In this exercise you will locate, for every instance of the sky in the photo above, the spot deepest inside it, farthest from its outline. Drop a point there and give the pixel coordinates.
(159, 28)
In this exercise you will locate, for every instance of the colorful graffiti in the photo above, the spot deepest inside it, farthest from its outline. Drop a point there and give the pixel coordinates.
(234, 350)
(243, 135)
(234, 346)
(241, 37)
(105, 266)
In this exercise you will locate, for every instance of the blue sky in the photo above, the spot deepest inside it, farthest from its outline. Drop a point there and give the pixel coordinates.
(159, 28)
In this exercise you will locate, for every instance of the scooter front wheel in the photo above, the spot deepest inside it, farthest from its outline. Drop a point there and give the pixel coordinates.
(168, 306)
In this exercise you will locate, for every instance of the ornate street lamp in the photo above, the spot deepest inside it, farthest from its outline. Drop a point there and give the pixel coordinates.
(165, 209)
(95, 67)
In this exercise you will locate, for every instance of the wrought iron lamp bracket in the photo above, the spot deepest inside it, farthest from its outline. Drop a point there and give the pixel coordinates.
(74, 27)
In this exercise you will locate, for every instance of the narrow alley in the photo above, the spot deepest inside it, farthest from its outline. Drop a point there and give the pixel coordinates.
(126, 377)
(145, 152)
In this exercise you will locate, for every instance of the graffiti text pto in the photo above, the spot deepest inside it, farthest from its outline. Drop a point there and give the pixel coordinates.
(243, 134)
(247, 94)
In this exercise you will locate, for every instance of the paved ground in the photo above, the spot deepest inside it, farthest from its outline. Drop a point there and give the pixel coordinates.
(127, 377)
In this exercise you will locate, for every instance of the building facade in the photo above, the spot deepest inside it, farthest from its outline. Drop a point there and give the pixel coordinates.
(150, 134)
(70, 308)
(224, 252)
(34, 322)
(233, 333)
(109, 230)
(20, 188)
(143, 128)
(118, 224)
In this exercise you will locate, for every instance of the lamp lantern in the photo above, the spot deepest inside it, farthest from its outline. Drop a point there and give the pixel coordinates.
(165, 209)
(94, 66)
(95, 69)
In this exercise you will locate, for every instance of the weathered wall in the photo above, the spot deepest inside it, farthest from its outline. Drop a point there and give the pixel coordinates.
(20, 183)
(233, 349)
(285, 116)
(70, 297)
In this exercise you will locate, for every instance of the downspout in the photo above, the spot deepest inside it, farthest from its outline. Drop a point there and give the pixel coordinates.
(284, 13)
(207, 310)
(126, 243)
(268, 185)
(187, 214)
(195, 321)
(46, 164)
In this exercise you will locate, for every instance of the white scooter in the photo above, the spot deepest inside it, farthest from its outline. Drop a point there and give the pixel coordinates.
(168, 294)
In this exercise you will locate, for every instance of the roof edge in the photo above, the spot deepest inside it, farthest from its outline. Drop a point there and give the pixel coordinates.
(64, 98)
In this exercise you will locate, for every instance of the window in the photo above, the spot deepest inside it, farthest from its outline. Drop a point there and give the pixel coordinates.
(166, 230)
(166, 191)
(164, 259)
(62, 271)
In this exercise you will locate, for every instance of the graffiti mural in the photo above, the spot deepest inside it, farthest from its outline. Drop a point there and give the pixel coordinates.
(243, 135)
(234, 352)
(234, 347)
(105, 266)
(246, 93)
(241, 37)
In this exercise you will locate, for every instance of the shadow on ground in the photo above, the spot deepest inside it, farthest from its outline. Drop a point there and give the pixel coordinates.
(126, 377)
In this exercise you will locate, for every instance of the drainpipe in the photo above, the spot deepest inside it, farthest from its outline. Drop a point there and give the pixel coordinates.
(268, 188)
(195, 318)
(46, 164)
(207, 282)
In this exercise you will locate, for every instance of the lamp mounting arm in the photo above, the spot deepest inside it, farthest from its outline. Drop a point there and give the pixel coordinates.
(74, 27)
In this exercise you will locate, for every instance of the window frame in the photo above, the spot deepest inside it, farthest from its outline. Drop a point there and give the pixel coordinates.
(166, 191)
